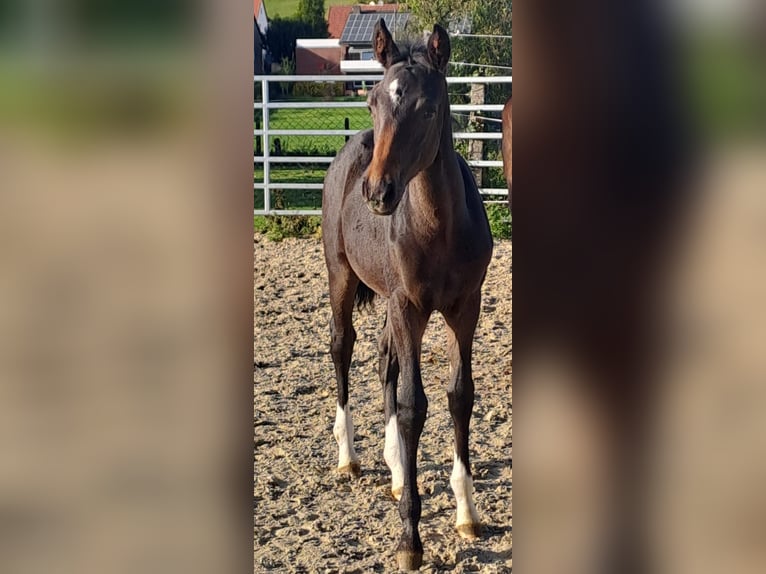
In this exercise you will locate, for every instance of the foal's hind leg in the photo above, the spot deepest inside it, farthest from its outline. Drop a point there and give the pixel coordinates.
(389, 373)
(343, 284)
(461, 324)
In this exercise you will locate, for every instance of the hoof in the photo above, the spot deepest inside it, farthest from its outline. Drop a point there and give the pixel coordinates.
(353, 469)
(469, 531)
(409, 560)
(396, 494)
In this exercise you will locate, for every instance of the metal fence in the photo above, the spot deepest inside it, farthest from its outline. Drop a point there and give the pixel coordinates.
(297, 135)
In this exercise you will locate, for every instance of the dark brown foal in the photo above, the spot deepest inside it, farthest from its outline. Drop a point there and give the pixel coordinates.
(402, 218)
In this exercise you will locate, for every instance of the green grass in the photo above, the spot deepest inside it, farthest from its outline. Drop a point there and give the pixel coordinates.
(315, 119)
(282, 8)
(291, 174)
(290, 199)
(287, 8)
(277, 227)
(500, 221)
(320, 118)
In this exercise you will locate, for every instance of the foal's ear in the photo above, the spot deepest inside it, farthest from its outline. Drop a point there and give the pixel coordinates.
(439, 48)
(383, 44)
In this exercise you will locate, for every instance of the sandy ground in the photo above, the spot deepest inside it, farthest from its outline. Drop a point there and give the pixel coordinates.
(310, 519)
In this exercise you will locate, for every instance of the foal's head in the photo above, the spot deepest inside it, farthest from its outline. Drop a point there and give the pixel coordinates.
(409, 108)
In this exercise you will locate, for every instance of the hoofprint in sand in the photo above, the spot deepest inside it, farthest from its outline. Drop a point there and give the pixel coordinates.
(308, 518)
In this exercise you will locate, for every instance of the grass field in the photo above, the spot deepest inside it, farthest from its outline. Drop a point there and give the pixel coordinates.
(315, 119)
(292, 198)
(287, 8)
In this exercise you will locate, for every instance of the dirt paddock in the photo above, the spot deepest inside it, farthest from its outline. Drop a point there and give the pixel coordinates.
(308, 518)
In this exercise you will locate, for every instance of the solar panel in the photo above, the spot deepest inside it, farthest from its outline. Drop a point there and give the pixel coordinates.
(359, 27)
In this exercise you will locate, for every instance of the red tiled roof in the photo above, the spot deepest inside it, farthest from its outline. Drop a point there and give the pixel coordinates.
(336, 19)
(338, 15)
(366, 8)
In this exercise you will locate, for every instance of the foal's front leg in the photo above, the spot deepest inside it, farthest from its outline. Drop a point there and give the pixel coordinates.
(461, 324)
(389, 375)
(408, 325)
(343, 284)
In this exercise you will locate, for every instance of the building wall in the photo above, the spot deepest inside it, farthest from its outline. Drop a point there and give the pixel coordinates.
(313, 61)
(262, 20)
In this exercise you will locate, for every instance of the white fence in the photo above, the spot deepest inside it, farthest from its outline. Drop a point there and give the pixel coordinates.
(268, 159)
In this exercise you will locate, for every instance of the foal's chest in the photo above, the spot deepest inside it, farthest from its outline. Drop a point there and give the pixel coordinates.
(437, 278)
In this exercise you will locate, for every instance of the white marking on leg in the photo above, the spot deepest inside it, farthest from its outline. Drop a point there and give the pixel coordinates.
(392, 453)
(393, 91)
(462, 485)
(343, 430)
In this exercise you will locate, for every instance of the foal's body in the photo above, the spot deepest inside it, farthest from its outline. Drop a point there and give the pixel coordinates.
(428, 249)
(402, 218)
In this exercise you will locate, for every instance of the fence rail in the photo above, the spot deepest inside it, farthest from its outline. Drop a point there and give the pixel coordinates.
(266, 132)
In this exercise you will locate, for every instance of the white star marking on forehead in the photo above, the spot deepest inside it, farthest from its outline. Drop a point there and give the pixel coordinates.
(393, 91)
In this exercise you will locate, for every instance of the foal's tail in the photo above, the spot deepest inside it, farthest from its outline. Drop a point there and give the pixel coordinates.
(364, 297)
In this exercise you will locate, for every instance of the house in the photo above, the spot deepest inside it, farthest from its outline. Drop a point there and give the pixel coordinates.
(349, 48)
(336, 19)
(356, 37)
(260, 25)
(314, 57)
(261, 19)
(337, 16)
(317, 56)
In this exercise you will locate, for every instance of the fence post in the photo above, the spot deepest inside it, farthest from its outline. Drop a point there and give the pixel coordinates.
(266, 148)
(476, 147)
(346, 126)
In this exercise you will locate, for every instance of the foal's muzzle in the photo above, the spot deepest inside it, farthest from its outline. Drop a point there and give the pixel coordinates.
(380, 195)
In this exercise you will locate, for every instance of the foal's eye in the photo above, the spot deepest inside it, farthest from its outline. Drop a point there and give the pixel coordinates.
(429, 114)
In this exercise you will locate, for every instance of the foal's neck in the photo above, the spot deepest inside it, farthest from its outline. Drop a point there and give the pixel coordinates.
(437, 193)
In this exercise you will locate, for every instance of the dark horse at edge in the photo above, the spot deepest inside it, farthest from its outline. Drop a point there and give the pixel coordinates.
(507, 147)
(402, 218)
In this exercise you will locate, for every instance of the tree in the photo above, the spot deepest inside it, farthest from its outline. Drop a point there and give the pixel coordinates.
(312, 13)
(490, 17)
(309, 22)
(469, 52)
(282, 34)
(286, 68)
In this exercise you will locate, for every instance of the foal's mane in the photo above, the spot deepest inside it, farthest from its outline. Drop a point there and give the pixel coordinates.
(413, 52)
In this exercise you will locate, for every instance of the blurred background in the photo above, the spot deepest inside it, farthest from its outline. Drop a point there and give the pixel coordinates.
(640, 244)
(125, 298)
